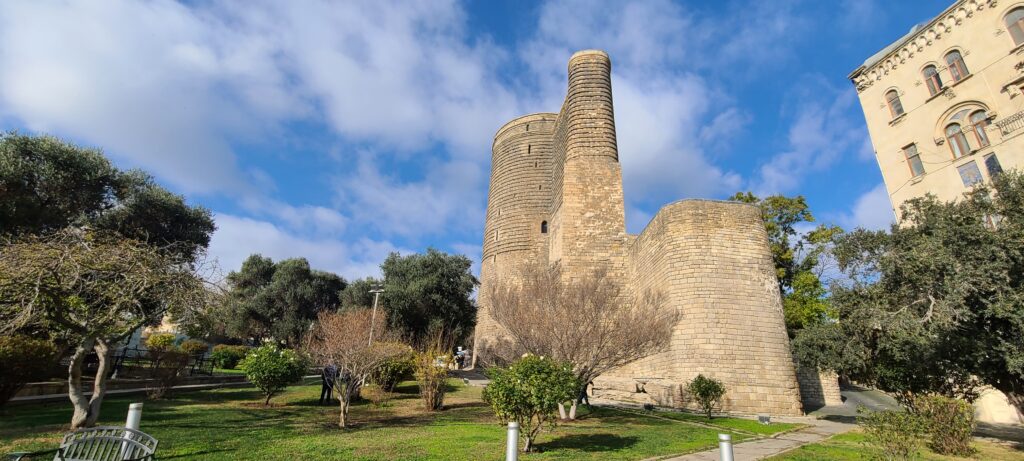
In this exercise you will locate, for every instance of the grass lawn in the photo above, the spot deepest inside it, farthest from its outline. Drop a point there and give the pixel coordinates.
(232, 424)
(851, 446)
(748, 426)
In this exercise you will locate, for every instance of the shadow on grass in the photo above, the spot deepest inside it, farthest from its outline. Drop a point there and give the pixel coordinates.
(840, 419)
(590, 442)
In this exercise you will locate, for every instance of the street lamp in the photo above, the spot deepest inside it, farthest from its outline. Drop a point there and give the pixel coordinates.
(373, 318)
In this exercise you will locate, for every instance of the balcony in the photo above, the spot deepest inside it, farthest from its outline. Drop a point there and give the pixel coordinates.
(1011, 123)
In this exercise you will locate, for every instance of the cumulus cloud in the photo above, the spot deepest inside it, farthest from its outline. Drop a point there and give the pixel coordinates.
(820, 133)
(872, 211)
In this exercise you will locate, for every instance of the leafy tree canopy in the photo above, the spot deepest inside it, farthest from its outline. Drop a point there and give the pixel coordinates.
(937, 302)
(268, 300)
(357, 293)
(797, 257)
(426, 292)
(47, 184)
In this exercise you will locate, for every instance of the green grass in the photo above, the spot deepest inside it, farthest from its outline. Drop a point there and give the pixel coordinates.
(232, 424)
(733, 424)
(852, 446)
(228, 371)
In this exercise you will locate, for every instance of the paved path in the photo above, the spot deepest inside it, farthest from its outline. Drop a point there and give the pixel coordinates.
(763, 448)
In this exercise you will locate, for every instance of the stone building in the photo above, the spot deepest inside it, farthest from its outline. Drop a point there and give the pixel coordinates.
(556, 196)
(944, 106)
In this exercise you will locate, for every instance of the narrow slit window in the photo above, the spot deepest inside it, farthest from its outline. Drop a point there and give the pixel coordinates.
(543, 227)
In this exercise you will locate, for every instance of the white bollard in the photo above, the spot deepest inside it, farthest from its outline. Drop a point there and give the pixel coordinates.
(134, 416)
(512, 447)
(725, 446)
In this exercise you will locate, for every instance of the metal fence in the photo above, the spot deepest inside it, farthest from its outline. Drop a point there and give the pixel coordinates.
(1011, 123)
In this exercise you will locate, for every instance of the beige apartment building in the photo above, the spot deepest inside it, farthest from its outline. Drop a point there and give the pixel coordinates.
(944, 106)
(945, 103)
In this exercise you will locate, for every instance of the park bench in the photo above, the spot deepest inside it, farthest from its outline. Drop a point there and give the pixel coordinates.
(106, 443)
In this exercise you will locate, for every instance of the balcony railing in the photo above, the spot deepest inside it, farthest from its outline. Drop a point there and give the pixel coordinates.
(1012, 123)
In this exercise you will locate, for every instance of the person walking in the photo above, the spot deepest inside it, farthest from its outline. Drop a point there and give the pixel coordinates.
(327, 377)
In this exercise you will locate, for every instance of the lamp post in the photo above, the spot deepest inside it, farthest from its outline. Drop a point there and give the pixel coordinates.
(373, 318)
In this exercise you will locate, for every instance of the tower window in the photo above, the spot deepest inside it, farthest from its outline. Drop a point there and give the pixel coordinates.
(957, 68)
(529, 148)
(895, 106)
(543, 227)
(980, 120)
(931, 77)
(957, 141)
(914, 160)
(1015, 24)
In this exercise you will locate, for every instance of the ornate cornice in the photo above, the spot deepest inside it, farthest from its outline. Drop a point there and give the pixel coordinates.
(925, 37)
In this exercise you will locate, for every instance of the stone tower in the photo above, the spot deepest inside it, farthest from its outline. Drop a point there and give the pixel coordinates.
(556, 196)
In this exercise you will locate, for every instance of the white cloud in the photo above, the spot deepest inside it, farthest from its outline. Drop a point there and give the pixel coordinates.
(238, 237)
(872, 211)
(820, 134)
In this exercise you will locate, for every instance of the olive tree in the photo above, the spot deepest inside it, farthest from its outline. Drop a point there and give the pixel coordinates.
(92, 290)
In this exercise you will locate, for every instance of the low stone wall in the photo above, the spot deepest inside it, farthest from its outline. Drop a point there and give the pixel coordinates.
(53, 387)
(818, 389)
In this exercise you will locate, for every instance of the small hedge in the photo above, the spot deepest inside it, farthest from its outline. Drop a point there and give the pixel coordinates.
(228, 357)
(272, 369)
(193, 347)
(160, 342)
(395, 370)
(23, 360)
(950, 423)
(706, 392)
(896, 434)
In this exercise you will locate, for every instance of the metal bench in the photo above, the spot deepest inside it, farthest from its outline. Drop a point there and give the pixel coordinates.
(105, 443)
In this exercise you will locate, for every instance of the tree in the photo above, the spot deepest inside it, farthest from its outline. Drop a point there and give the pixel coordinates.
(92, 290)
(935, 302)
(708, 393)
(278, 301)
(528, 392)
(588, 322)
(342, 338)
(426, 293)
(23, 360)
(357, 293)
(797, 258)
(272, 369)
(47, 185)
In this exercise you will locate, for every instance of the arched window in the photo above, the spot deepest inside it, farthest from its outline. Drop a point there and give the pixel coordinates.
(931, 77)
(957, 141)
(895, 106)
(980, 120)
(543, 227)
(1015, 24)
(956, 65)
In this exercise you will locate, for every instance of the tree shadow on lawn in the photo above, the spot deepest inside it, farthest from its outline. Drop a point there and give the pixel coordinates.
(590, 442)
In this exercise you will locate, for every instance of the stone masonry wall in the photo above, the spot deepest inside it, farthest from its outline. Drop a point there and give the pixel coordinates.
(710, 259)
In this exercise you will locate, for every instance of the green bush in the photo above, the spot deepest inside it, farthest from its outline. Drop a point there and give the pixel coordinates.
(395, 370)
(707, 392)
(167, 373)
(896, 434)
(432, 376)
(529, 392)
(950, 423)
(225, 356)
(23, 360)
(272, 369)
(193, 347)
(160, 342)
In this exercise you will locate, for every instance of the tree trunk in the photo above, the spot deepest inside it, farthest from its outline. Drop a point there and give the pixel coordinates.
(75, 394)
(344, 398)
(572, 409)
(99, 386)
(561, 412)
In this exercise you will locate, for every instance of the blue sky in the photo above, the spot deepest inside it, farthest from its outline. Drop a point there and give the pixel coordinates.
(342, 131)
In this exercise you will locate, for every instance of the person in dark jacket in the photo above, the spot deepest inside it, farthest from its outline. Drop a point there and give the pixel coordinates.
(327, 377)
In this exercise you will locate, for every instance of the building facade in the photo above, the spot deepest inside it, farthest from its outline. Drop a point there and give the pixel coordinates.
(556, 197)
(944, 104)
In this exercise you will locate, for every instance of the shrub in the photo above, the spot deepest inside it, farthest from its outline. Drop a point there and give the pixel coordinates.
(272, 369)
(225, 356)
(950, 423)
(432, 377)
(23, 360)
(376, 394)
(167, 373)
(707, 392)
(529, 392)
(896, 434)
(159, 342)
(193, 347)
(394, 370)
